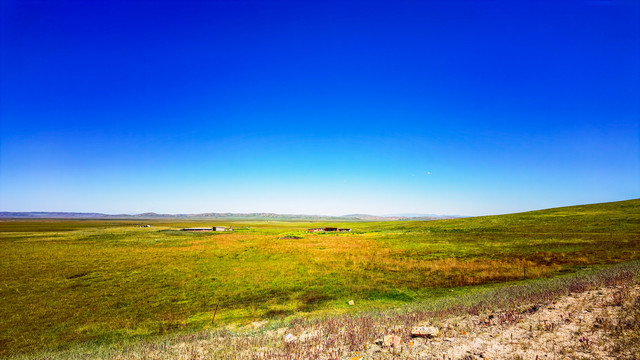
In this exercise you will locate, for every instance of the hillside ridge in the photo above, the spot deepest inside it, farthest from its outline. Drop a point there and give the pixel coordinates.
(273, 216)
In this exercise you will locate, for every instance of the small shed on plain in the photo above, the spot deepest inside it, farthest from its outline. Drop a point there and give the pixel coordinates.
(327, 229)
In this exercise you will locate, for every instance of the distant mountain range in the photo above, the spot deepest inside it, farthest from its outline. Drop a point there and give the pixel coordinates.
(227, 216)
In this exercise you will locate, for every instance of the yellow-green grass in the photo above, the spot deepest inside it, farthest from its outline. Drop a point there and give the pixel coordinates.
(70, 281)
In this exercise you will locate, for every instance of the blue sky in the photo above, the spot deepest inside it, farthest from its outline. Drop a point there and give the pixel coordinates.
(318, 107)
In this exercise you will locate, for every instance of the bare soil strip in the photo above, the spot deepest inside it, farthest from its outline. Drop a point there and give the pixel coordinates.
(577, 326)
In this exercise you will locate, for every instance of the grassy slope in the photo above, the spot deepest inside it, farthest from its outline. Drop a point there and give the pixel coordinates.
(69, 281)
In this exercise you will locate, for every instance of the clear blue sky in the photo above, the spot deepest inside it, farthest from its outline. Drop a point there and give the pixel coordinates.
(318, 107)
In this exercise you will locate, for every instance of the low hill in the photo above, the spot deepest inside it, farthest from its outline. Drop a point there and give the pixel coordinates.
(221, 216)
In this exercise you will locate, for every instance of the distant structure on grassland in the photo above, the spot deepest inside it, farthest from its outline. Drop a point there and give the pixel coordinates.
(214, 228)
(328, 229)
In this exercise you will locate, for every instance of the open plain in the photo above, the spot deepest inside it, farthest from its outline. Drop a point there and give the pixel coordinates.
(69, 283)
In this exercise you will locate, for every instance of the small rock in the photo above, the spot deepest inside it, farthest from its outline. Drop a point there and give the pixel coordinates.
(290, 337)
(426, 332)
(374, 349)
(395, 341)
(392, 341)
(351, 302)
(258, 324)
(388, 341)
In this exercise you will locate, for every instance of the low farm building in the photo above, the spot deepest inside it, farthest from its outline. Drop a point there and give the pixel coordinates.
(214, 228)
(327, 229)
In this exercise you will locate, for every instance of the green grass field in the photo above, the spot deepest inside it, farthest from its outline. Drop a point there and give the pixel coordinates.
(70, 281)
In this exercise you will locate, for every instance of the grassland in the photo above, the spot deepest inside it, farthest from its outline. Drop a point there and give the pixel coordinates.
(66, 282)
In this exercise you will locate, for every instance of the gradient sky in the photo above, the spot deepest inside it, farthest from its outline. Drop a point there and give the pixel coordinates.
(318, 107)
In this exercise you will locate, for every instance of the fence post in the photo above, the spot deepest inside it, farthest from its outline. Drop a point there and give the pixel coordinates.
(214, 315)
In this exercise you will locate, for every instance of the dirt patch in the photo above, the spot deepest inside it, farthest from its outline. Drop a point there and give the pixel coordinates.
(577, 326)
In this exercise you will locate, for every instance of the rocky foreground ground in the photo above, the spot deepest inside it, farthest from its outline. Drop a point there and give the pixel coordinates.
(577, 326)
(583, 321)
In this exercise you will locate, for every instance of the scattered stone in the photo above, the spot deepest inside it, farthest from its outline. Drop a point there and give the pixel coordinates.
(388, 341)
(396, 342)
(463, 339)
(392, 341)
(426, 332)
(374, 349)
(258, 324)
